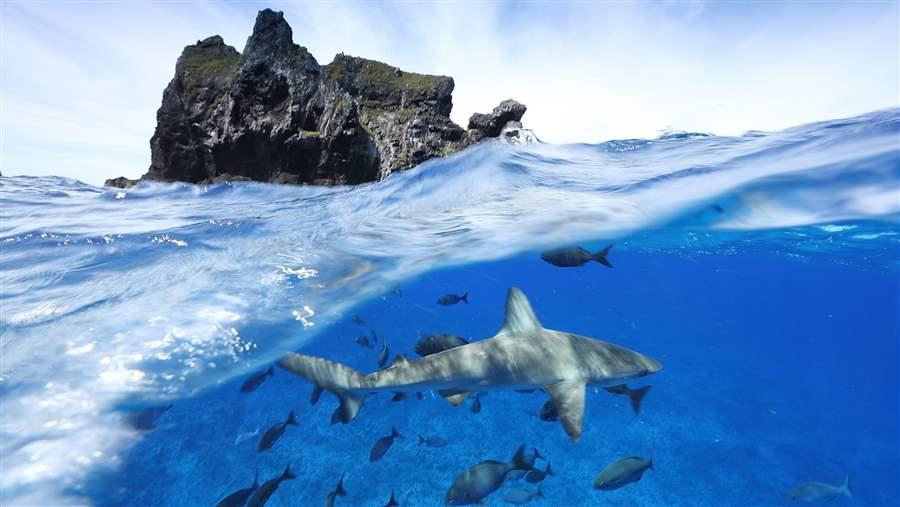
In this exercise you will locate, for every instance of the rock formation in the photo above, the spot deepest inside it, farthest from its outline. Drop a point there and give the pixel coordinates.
(274, 114)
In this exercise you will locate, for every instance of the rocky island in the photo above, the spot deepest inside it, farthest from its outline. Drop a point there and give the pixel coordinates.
(274, 114)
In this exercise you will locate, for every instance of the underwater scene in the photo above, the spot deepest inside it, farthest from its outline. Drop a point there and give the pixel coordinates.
(687, 320)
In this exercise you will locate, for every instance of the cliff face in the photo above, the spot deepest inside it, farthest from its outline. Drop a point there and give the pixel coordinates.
(274, 114)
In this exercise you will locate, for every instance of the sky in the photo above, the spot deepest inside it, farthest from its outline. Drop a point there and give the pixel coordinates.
(80, 82)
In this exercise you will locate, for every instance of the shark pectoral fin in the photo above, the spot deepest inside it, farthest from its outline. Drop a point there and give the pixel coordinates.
(568, 398)
(454, 397)
(520, 318)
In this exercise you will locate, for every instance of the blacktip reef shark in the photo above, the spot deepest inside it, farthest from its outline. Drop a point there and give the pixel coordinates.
(523, 354)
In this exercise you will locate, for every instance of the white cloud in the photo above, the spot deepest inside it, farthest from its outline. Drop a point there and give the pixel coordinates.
(81, 82)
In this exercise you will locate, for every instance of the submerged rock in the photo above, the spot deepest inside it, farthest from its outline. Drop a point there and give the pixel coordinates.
(274, 114)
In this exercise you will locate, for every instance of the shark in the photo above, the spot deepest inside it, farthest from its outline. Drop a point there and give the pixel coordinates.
(522, 355)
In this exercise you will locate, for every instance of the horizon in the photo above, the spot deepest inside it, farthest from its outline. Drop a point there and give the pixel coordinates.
(76, 105)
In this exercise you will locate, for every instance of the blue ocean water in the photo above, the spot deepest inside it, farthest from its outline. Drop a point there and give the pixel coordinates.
(762, 271)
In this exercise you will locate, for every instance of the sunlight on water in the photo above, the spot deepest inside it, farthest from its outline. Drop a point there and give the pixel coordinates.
(134, 297)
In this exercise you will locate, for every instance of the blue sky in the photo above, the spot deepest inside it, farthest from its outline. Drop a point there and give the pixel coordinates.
(81, 81)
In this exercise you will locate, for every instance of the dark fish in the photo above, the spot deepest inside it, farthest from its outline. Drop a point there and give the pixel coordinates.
(274, 433)
(476, 405)
(479, 481)
(382, 445)
(635, 395)
(420, 396)
(393, 501)
(399, 396)
(622, 472)
(549, 412)
(314, 396)
(572, 257)
(363, 341)
(338, 491)
(525, 391)
(145, 420)
(397, 292)
(432, 441)
(256, 380)
(536, 476)
(239, 497)
(358, 320)
(262, 495)
(819, 491)
(452, 299)
(522, 496)
(438, 343)
(530, 459)
(383, 355)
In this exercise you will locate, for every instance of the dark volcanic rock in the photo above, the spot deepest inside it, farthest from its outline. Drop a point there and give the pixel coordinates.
(490, 125)
(274, 114)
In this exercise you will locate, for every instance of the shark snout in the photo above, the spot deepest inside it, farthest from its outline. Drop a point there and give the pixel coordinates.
(652, 365)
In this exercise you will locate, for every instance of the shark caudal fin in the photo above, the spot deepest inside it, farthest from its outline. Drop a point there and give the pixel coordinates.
(600, 257)
(336, 378)
(520, 318)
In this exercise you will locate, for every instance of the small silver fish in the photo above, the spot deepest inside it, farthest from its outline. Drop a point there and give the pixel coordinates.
(247, 435)
(819, 491)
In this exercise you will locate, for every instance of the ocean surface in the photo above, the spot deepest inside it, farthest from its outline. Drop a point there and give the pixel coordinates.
(762, 271)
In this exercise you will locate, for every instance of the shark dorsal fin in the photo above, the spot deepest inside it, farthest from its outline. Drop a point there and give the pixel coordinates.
(520, 318)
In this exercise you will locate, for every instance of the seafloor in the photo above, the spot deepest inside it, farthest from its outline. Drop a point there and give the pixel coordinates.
(777, 369)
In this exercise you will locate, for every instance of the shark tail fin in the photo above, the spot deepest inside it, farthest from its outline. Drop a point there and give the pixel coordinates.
(335, 378)
(636, 396)
(600, 256)
(339, 489)
(549, 470)
(288, 474)
(845, 489)
(465, 298)
(519, 462)
(292, 419)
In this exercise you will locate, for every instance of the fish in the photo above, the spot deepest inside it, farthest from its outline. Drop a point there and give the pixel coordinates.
(274, 433)
(397, 292)
(358, 320)
(145, 419)
(438, 343)
(262, 495)
(536, 476)
(635, 395)
(315, 395)
(819, 491)
(338, 491)
(452, 299)
(383, 444)
(548, 412)
(622, 472)
(239, 497)
(399, 396)
(522, 355)
(432, 441)
(476, 405)
(246, 436)
(256, 380)
(522, 496)
(479, 481)
(575, 256)
(363, 341)
(393, 501)
(515, 475)
(384, 354)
